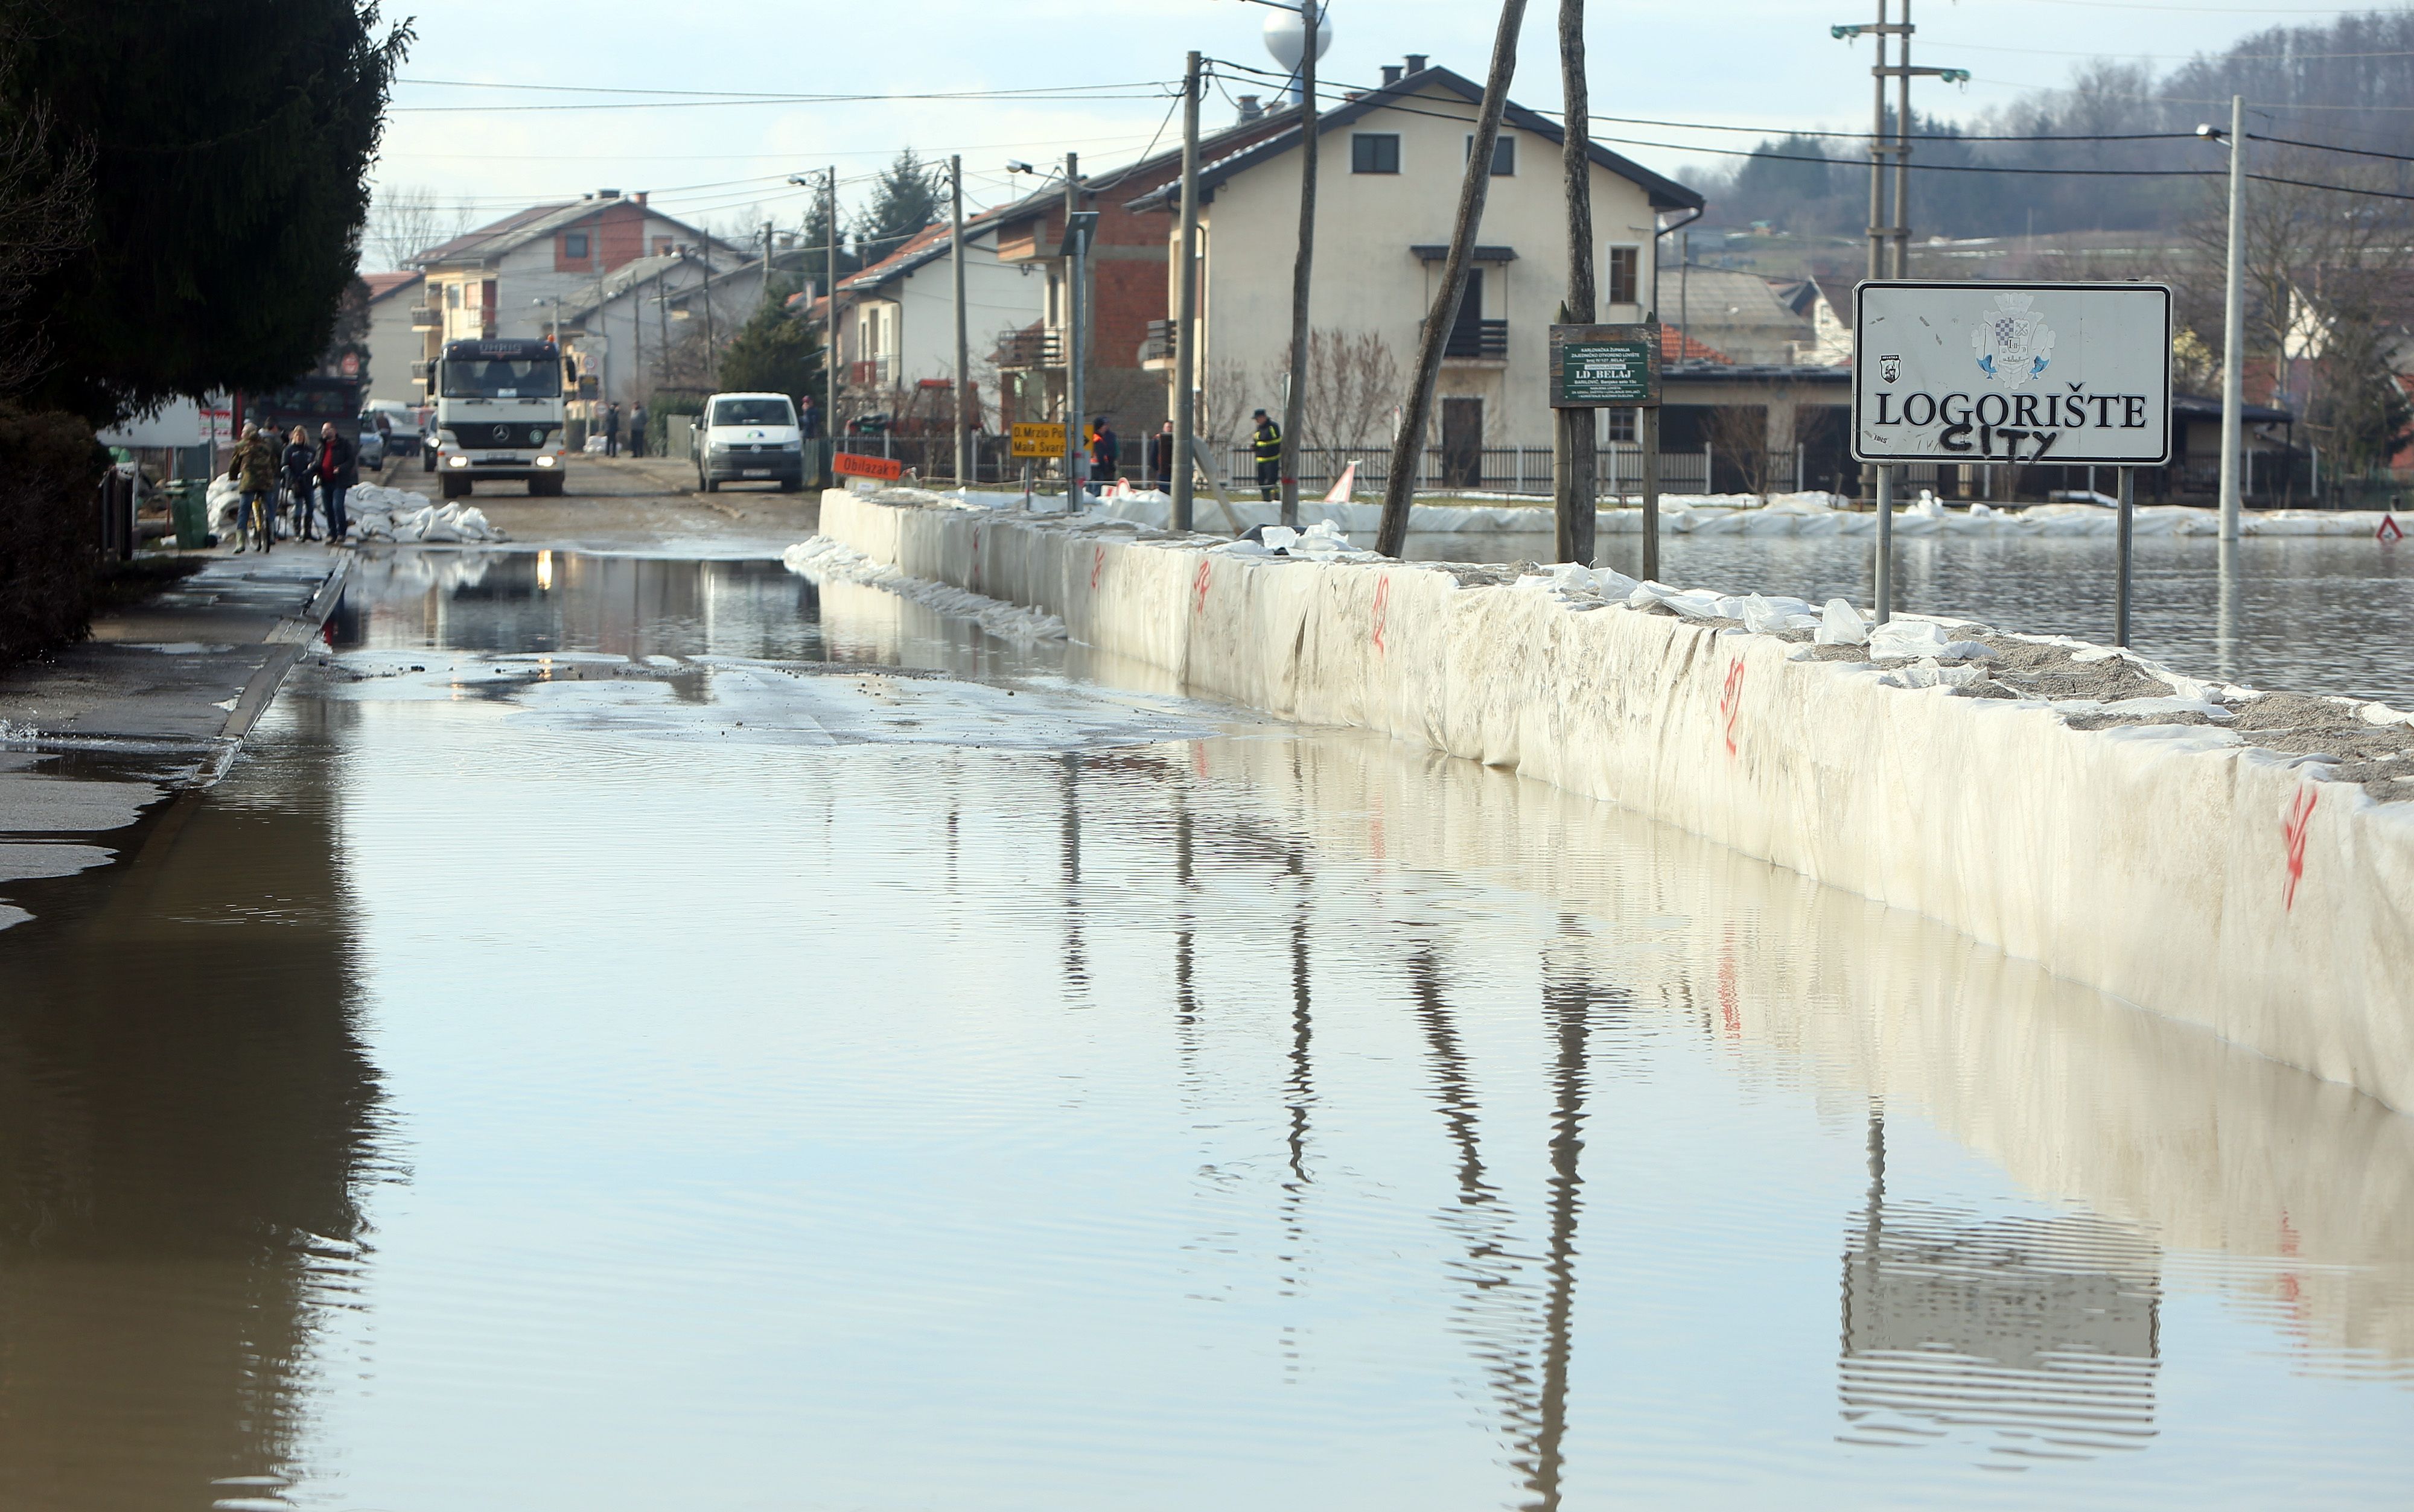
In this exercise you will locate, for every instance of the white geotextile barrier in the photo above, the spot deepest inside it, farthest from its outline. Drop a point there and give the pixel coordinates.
(2167, 865)
(1783, 514)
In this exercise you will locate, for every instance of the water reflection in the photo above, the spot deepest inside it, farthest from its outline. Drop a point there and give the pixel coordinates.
(187, 1115)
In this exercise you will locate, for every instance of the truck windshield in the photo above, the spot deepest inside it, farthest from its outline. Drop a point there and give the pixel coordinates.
(499, 379)
(753, 413)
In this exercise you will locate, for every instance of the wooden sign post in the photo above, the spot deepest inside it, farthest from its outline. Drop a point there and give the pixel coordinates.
(1617, 367)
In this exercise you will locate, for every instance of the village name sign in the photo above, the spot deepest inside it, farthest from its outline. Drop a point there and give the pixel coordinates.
(2020, 373)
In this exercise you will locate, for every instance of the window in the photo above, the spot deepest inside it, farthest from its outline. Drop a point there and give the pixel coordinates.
(451, 296)
(500, 378)
(1504, 154)
(753, 413)
(662, 246)
(1621, 425)
(574, 246)
(1625, 270)
(1374, 152)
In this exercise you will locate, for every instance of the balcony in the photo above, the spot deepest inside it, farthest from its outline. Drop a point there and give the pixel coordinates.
(1479, 341)
(1033, 346)
(1156, 347)
(425, 318)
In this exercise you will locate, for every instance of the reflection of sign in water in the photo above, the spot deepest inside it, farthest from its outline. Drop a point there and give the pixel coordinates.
(2032, 1329)
(1594, 367)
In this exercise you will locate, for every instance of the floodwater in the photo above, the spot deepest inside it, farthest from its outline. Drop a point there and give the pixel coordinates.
(2305, 614)
(645, 1033)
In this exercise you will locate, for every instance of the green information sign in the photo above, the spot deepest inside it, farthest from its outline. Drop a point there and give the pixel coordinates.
(1605, 367)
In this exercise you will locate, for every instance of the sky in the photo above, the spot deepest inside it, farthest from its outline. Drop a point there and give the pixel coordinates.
(1767, 65)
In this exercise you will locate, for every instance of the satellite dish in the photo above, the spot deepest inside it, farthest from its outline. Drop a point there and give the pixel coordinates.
(1283, 30)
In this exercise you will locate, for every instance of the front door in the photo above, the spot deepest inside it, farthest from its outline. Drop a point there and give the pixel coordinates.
(1462, 443)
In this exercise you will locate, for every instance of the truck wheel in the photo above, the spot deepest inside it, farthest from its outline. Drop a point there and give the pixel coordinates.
(427, 459)
(547, 487)
(451, 487)
(792, 485)
(712, 486)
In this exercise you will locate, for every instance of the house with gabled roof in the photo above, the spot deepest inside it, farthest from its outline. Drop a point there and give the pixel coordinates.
(394, 341)
(509, 278)
(1390, 166)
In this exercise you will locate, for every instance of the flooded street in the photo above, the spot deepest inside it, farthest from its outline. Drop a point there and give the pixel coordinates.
(645, 1032)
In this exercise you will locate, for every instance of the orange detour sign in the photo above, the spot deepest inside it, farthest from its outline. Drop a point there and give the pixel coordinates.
(848, 465)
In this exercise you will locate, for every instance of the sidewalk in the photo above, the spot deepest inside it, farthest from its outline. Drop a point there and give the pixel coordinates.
(172, 686)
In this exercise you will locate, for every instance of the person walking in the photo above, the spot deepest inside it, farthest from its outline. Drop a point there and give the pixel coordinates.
(1106, 452)
(299, 461)
(1265, 444)
(254, 471)
(637, 431)
(339, 471)
(612, 429)
(1160, 458)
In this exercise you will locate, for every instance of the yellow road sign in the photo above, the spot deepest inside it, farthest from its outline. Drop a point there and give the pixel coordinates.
(1037, 439)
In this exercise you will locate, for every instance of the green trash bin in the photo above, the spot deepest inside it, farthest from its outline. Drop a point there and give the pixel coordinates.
(188, 511)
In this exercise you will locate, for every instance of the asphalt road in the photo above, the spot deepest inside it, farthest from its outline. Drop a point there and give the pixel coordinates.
(649, 504)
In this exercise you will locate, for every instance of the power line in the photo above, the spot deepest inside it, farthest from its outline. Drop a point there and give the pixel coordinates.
(2327, 147)
(746, 94)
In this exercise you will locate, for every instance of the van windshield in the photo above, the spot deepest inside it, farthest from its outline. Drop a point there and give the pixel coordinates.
(499, 380)
(753, 413)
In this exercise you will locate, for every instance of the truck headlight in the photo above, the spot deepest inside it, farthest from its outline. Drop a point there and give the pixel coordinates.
(545, 461)
(456, 460)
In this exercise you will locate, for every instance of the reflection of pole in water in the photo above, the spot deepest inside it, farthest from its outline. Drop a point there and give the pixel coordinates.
(2225, 619)
(1186, 996)
(1077, 969)
(1301, 1089)
(1567, 1005)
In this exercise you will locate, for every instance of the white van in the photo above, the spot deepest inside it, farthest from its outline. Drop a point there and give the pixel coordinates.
(743, 436)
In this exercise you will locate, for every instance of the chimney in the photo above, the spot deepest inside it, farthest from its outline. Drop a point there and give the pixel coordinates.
(1249, 110)
(1416, 63)
(608, 194)
(639, 197)
(1391, 74)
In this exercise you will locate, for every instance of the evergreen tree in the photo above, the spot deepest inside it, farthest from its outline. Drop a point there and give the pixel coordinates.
(905, 198)
(774, 351)
(230, 145)
(817, 241)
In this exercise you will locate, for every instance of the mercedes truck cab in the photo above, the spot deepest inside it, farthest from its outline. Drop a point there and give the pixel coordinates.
(498, 415)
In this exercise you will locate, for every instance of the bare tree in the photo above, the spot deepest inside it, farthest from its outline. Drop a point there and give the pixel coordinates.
(1739, 433)
(1354, 383)
(406, 221)
(45, 218)
(1223, 411)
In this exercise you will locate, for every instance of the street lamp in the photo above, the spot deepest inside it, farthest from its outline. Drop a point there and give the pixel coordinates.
(2233, 317)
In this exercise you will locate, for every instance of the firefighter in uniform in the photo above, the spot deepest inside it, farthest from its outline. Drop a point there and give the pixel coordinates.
(1266, 444)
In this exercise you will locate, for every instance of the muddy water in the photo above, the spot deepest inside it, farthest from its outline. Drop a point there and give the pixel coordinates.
(645, 1033)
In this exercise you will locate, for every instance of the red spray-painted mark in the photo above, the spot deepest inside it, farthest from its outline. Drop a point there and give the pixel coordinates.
(1199, 758)
(1382, 614)
(1097, 560)
(1730, 999)
(1731, 702)
(1198, 587)
(2301, 815)
(976, 559)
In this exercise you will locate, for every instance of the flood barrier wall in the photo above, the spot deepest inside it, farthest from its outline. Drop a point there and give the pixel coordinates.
(2167, 865)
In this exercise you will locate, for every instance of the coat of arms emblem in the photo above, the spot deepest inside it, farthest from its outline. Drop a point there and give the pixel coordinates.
(2013, 344)
(1890, 366)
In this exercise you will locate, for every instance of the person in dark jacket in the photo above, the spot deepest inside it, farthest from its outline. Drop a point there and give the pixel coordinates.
(1265, 444)
(298, 487)
(809, 418)
(637, 431)
(1160, 458)
(337, 470)
(612, 429)
(1106, 451)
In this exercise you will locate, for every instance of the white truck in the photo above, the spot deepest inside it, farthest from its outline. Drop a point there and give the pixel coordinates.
(498, 415)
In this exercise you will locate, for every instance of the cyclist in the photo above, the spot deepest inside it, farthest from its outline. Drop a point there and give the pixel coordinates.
(254, 471)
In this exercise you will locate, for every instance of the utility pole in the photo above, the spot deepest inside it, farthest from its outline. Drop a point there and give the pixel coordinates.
(830, 318)
(1295, 398)
(711, 356)
(1902, 154)
(1392, 537)
(1573, 487)
(1076, 450)
(1185, 327)
(2233, 328)
(765, 296)
(1879, 148)
(963, 342)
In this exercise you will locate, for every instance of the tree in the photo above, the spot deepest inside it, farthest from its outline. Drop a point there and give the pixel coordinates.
(406, 221)
(774, 351)
(230, 146)
(45, 215)
(817, 239)
(906, 198)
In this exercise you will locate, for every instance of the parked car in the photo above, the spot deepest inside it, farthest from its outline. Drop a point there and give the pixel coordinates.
(404, 426)
(743, 436)
(371, 445)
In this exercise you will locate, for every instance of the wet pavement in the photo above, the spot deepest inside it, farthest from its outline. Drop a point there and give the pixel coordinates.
(637, 1032)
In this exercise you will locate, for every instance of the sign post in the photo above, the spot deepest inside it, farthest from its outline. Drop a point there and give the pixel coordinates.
(1035, 440)
(1616, 367)
(2029, 374)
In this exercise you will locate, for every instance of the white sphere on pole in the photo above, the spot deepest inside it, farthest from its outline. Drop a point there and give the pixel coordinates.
(1283, 30)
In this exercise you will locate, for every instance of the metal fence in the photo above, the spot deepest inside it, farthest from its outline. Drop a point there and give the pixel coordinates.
(1492, 469)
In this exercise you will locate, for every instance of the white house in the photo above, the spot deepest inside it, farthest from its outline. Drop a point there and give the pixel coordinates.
(897, 318)
(1390, 166)
(620, 324)
(394, 342)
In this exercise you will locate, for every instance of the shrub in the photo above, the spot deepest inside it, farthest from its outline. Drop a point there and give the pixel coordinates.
(49, 466)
